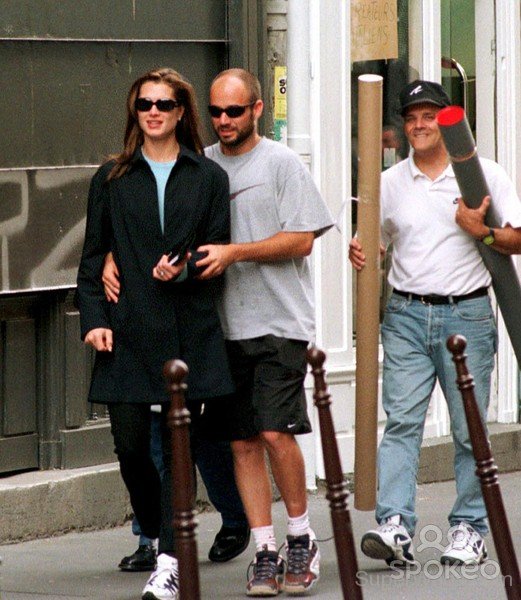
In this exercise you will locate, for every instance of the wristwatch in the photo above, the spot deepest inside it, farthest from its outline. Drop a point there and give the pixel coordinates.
(489, 239)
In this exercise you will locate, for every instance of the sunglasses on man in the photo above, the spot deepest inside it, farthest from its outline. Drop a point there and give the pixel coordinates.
(233, 111)
(165, 105)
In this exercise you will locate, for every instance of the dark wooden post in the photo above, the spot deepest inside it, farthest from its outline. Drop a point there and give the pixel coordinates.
(487, 471)
(184, 522)
(337, 493)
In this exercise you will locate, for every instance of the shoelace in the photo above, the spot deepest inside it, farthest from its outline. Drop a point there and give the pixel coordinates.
(389, 527)
(264, 568)
(298, 556)
(460, 538)
(281, 563)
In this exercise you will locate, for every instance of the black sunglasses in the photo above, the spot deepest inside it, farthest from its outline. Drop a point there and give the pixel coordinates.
(233, 111)
(166, 105)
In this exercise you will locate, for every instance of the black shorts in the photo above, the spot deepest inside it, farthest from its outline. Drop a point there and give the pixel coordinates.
(269, 374)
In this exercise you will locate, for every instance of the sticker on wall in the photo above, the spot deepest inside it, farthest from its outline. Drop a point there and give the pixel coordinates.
(280, 106)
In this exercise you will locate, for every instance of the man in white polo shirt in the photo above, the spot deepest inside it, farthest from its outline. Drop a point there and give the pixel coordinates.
(440, 288)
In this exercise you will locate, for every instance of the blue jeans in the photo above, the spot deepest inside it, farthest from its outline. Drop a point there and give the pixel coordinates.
(414, 337)
(215, 463)
(151, 492)
(214, 460)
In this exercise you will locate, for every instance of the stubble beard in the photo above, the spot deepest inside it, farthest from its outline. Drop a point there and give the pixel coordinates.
(242, 136)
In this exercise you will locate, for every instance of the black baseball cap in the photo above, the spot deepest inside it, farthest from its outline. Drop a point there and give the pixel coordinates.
(419, 92)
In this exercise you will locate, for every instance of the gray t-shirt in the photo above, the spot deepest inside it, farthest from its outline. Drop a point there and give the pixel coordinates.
(271, 191)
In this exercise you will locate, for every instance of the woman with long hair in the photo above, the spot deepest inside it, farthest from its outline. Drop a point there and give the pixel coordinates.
(150, 206)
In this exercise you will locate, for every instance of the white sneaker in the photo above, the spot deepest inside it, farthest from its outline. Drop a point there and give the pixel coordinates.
(163, 584)
(390, 542)
(466, 546)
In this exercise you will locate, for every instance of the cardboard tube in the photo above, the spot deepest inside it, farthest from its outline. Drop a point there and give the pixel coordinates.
(368, 288)
(460, 145)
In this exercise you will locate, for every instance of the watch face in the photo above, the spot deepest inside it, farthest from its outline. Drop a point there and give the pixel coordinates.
(488, 240)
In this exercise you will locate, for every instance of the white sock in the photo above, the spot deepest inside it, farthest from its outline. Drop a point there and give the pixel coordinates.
(265, 538)
(300, 525)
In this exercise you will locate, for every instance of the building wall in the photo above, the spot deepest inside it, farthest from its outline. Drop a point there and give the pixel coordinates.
(331, 165)
(70, 75)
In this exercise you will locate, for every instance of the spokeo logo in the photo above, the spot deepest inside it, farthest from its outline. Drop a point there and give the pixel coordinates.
(431, 537)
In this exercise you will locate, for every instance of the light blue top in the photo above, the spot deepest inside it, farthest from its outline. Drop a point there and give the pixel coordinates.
(161, 172)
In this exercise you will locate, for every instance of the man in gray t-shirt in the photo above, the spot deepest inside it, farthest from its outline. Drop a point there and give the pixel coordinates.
(271, 192)
(267, 314)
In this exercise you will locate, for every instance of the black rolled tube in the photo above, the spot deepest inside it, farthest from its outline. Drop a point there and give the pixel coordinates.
(471, 180)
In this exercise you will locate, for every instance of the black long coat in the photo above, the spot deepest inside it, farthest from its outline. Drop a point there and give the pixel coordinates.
(154, 321)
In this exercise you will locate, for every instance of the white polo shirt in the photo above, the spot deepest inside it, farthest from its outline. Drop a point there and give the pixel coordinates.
(431, 253)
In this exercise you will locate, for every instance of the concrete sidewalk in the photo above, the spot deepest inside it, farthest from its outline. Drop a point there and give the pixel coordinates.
(83, 565)
(39, 504)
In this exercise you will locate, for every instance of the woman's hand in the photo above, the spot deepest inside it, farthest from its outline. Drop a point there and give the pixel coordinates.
(100, 339)
(164, 271)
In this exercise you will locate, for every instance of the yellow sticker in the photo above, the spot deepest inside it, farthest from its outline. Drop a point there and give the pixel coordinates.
(280, 105)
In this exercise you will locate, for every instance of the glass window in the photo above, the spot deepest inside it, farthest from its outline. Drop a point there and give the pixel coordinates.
(458, 50)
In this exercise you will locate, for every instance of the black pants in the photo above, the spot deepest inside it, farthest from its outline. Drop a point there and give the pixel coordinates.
(150, 493)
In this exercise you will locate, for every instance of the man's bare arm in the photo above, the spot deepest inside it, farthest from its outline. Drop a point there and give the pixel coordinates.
(284, 245)
(110, 278)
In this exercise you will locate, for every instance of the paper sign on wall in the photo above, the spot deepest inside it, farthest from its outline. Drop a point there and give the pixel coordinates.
(374, 29)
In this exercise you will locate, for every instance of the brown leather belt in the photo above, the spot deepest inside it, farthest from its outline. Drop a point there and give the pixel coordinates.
(435, 299)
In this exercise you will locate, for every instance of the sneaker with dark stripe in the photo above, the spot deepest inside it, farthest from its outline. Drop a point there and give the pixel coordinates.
(302, 564)
(163, 584)
(466, 546)
(267, 572)
(391, 542)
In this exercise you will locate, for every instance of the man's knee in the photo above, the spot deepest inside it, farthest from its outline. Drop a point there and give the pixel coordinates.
(278, 441)
(244, 449)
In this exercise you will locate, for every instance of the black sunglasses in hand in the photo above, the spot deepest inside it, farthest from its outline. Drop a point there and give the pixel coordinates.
(233, 111)
(164, 105)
